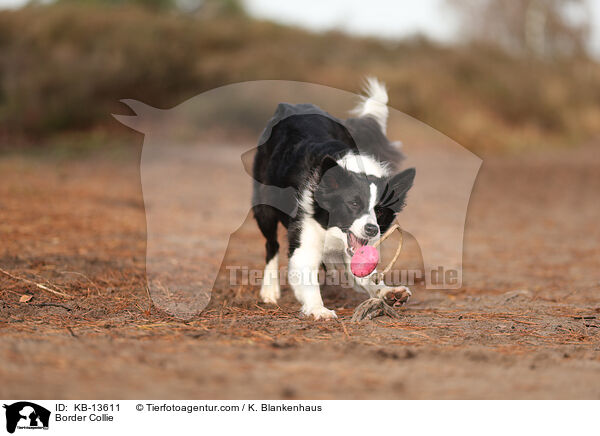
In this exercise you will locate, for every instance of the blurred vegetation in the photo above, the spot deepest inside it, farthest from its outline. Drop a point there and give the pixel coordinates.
(539, 28)
(64, 67)
(150, 4)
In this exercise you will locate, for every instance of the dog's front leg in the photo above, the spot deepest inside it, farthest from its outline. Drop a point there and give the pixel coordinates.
(393, 295)
(303, 276)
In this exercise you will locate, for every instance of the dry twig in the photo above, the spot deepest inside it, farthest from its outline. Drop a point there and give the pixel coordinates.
(38, 285)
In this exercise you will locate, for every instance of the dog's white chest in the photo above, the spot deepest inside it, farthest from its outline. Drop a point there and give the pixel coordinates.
(334, 247)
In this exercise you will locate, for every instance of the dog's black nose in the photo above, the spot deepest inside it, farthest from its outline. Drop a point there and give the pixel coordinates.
(371, 230)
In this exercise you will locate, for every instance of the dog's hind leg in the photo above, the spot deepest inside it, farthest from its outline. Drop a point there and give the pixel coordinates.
(267, 219)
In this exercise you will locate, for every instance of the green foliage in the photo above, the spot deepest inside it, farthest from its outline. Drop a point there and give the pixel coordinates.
(65, 67)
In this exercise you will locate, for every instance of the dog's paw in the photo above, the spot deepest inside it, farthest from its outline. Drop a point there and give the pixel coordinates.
(268, 299)
(320, 312)
(269, 293)
(396, 297)
(268, 296)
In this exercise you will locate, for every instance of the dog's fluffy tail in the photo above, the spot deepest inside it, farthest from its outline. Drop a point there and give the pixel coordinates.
(374, 103)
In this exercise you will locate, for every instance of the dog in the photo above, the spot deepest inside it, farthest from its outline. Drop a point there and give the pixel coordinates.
(348, 191)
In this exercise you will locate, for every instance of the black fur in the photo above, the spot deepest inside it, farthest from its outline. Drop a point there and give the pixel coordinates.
(300, 150)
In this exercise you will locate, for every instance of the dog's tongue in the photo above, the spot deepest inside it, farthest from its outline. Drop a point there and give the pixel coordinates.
(355, 242)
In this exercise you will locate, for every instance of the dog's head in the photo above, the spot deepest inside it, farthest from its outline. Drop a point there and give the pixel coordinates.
(361, 205)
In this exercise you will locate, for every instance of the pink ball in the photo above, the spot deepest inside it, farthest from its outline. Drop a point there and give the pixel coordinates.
(364, 261)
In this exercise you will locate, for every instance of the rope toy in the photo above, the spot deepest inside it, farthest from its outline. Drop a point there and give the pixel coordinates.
(365, 264)
(377, 278)
(366, 258)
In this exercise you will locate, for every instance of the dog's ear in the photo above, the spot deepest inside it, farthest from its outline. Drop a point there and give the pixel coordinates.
(394, 194)
(331, 178)
(328, 174)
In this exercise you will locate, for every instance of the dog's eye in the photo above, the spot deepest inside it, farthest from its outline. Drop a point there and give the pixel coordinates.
(354, 204)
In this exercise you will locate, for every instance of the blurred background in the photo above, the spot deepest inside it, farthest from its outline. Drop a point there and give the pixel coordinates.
(495, 76)
(517, 82)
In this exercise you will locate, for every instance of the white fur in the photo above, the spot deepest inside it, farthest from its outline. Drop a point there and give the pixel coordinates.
(364, 164)
(359, 224)
(335, 241)
(374, 104)
(270, 290)
(373, 197)
(335, 246)
(305, 200)
(380, 290)
(318, 245)
(304, 270)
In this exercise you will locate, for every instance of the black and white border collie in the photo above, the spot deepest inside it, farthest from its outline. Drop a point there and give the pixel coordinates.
(347, 192)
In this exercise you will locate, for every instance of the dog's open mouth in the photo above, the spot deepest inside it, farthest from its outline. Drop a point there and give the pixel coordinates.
(354, 243)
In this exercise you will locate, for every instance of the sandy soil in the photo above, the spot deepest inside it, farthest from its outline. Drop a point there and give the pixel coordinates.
(526, 323)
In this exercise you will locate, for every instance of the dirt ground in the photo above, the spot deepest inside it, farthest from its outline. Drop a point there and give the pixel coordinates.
(525, 324)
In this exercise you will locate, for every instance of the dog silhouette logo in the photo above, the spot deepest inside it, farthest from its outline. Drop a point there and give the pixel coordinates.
(26, 415)
(197, 179)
